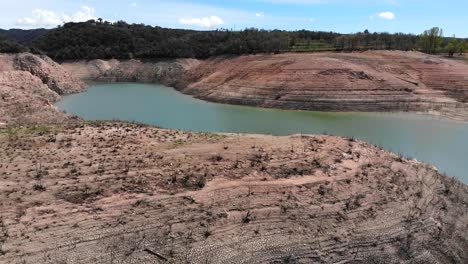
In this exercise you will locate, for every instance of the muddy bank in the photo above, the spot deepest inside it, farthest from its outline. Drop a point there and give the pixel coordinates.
(375, 81)
(29, 85)
(118, 193)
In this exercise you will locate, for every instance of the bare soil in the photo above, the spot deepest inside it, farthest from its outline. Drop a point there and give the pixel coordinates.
(122, 193)
(29, 85)
(377, 81)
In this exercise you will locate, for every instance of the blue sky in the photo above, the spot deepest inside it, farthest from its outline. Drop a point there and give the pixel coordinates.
(345, 16)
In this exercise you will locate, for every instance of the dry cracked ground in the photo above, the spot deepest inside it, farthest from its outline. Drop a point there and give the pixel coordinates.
(126, 193)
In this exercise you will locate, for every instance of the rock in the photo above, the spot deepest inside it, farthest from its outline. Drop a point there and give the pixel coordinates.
(29, 85)
(51, 73)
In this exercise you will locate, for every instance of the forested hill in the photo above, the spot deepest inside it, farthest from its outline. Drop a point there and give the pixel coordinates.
(9, 45)
(23, 35)
(104, 40)
(93, 39)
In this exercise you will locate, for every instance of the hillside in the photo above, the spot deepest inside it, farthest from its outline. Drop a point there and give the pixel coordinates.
(23, 36)
(119, 193)
(29, 85)
(120, 40)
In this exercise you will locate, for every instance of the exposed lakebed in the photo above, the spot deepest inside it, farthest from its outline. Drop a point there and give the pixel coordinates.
(437, 141)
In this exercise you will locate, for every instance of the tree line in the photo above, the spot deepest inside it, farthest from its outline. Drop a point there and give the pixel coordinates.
(104, 40)
(8, 45)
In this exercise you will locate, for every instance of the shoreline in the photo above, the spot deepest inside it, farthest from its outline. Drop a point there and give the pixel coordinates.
(387, 130)
(352, 83)
(430, 113)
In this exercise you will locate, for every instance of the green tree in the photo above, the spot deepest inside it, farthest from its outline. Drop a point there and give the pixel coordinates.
(452, 47)
(462, 47)
(430, 40)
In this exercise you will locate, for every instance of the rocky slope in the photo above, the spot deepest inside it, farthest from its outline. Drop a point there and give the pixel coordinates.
(164, 72)
(365, 81)
(29, 85)
(117, 193)
(368, 81)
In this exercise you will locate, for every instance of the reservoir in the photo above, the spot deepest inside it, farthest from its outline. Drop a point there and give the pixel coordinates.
(434, 140)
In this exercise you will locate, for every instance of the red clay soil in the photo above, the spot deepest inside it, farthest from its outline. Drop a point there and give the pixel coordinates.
(365, 81)
(118, 193)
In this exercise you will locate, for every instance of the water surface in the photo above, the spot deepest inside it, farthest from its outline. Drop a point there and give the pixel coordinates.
(437, 141)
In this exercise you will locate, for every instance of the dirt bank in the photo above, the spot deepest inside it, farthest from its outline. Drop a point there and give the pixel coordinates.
(116, 193)
(29, 85)
(366, 81)
(164, 72)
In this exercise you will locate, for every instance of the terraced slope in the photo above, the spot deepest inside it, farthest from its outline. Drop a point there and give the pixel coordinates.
(118, 193)
(367, 81)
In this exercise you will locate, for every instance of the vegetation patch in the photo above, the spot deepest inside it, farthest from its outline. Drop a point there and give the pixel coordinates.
(179, 142)
(79, 195)
(14, 131)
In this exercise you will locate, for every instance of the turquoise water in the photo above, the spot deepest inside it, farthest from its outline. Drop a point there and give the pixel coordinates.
(437, 141)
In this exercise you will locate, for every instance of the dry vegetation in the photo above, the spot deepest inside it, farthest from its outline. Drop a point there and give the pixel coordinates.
(124, 193)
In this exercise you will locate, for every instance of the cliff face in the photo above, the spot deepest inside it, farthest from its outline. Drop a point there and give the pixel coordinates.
(29, 85)
(116, 193)
(366, 81)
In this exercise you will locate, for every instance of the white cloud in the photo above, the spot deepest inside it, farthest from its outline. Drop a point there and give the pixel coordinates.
(47, 18)
(261, 14)
(133, 4)
(204, 22)
(387, 15)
